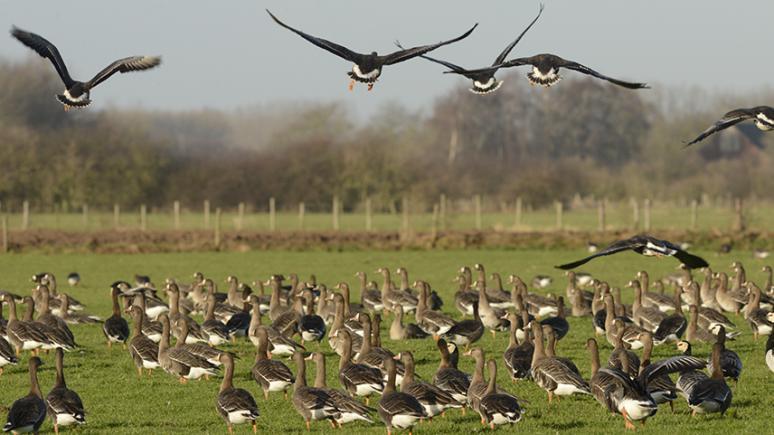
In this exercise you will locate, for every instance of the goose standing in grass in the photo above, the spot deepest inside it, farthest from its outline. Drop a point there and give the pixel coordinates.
(770, 352)
(368, 67)
(144, 351)
(63, 404)
(216, 331)
(601, 383)
(757, 317)
(730, 363)
(558, 323)
(464, 296)
(661, 388)
(466, 332)
(687, 379)
(432, 322)
(518, 357)
(433, 399)
(115, 328)
(709, 395)
(448, 377)
(550, 349)
(491, 317)
(397, 409)
(311, 403)
(371, 353)
(75, 317)
(350, 409)
(270, 374)
(621, 358)
(357, 379)
(201, 350)
(551, 374)
(45, 317)
(370, 299)
(7, 355)
(392, 297)
(28, 413)
(648, 318)
(73, 279)
(498, 297)
(150, 328)
(693, 332)
(673, 327)
(311, 327)
(651, 299)
(498, 408)
(179, 362)
(280, 344)
(235, 405)
(399, 331)
(78, 94)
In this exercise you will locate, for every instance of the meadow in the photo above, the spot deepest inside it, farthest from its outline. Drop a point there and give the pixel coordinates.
(118, 402)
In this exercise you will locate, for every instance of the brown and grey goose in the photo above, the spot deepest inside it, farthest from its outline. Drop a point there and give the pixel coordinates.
(357, 379)
(448, 377)
(397, 409)
(280, 345)
(179, 362)
(311, 403)
(216, 331)
(399, 331)
(115, 328)
(270, 374)
(518, 356)
(371, 353)
(350, 409)
(553, 375)
(433, 399)
(28, 413)
(144, 351)
(370, 299)
(392, 296)
(432, 322)
(64, 406)
(497, 408)
(235, 405)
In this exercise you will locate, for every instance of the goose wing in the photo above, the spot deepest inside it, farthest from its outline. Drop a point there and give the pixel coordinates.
(329, 46)
(188, 359)
(681, 363)
(237, 399)
(127, 64)
(398, 403)
(575, 66)
(731, 118)
(616, 247)
(690, 260)
(27, 411)
(501, 58)
(403, 55)
(456, 69)
(45, 49)
(64, 401)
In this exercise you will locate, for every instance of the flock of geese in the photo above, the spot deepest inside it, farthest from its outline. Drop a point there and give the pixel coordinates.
(367, 68)
(300, 313)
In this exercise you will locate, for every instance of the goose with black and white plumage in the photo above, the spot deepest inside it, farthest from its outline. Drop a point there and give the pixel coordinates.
(270, 374)
(143, 350)
(115, 328)
(497, 408)
(397, 409)
(76, 93)
(484, 81)
(73, 279)
(646, 245)
(311, 327)
(28, 413)
(686, 380)
(661, 388)
(310, 402)
(672, 328)
(63, 404)
(351, 410)
(467, 331)
(22, 335)
(762, 116)
(55, 337)
(546, 66)
(368, 67)
(730, 363)
(712, 394)
(235, 405)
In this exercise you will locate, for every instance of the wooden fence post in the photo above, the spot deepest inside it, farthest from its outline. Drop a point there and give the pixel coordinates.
(477, 200)
(143, 218)
(176, 214)
(601, 224)
(85, 216)
(217, 228)
(739, 223)
(518, 211)
(694, 214)
(25, 215)
(301, 213)
(404, 209)
(635, 213)
(369, 224)
(240, 216)
(435, 222)
(335, 211)
(272, 214)
(116, 216)
(559, 212)
(206, 213)
(5, 233)
(442, 211)
(646, 215)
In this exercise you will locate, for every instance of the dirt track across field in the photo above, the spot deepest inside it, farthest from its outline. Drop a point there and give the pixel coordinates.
(191, 241)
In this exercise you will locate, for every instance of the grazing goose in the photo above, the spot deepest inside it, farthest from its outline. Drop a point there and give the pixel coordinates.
(622, 358)
(280, 344)
(647, 246)
(432, 322)
(235, 405)
(484, 81)
(464, 297)
(357, 379)
(397, 409)
(179, 362)
(368, 67)
(28, 413)
(144, 351)
(545, 70)
(498, 408)
(518, 357)
(371, 353)
(648, 318)
(711, 394)
(271, 374)
(370, 299)
(311, 327)
(312, 403)
(550, 349)
(770, 352)
(551, 374)
(730, 363)
(763, 116)
(63, 404)
(350, 409)
(77, 94)
(433, 399)
(216, 331)
(466, 332)
(115, 328)
(758, 318)
(448, 377)
(661, 388)
(392, 297)
(398, 331)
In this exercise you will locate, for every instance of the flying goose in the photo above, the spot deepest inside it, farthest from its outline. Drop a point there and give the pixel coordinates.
(350, 409)
(64, 405)
(270, 374)
(497, 408)
(647, 246)
(28, 413)
(368, 67)
(397, 409)
(763, 116)
(115, 328)
(144, 351)
(77, 94)
(235, 405)
(484, 80)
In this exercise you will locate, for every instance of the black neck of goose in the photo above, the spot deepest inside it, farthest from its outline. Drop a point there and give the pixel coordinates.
(560, 307)
(454, 356)
(594, 352)
(491, 387)
(620, 328)
(263, 345)
(34, 386)
(721, 340)
(408, 364)
(319, 377)
(228, 376)
(421, 300)
(60, 379)
(116, 306)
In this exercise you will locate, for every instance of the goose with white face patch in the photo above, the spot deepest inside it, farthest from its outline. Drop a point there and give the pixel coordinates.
(484, 81)
(367, 68)
(644, 245)
(762, 116)
(78, 94)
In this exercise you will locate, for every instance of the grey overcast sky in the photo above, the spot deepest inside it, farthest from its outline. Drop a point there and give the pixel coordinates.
(229, 54)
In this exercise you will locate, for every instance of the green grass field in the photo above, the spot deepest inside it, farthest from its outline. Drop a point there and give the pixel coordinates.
(118, 402)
